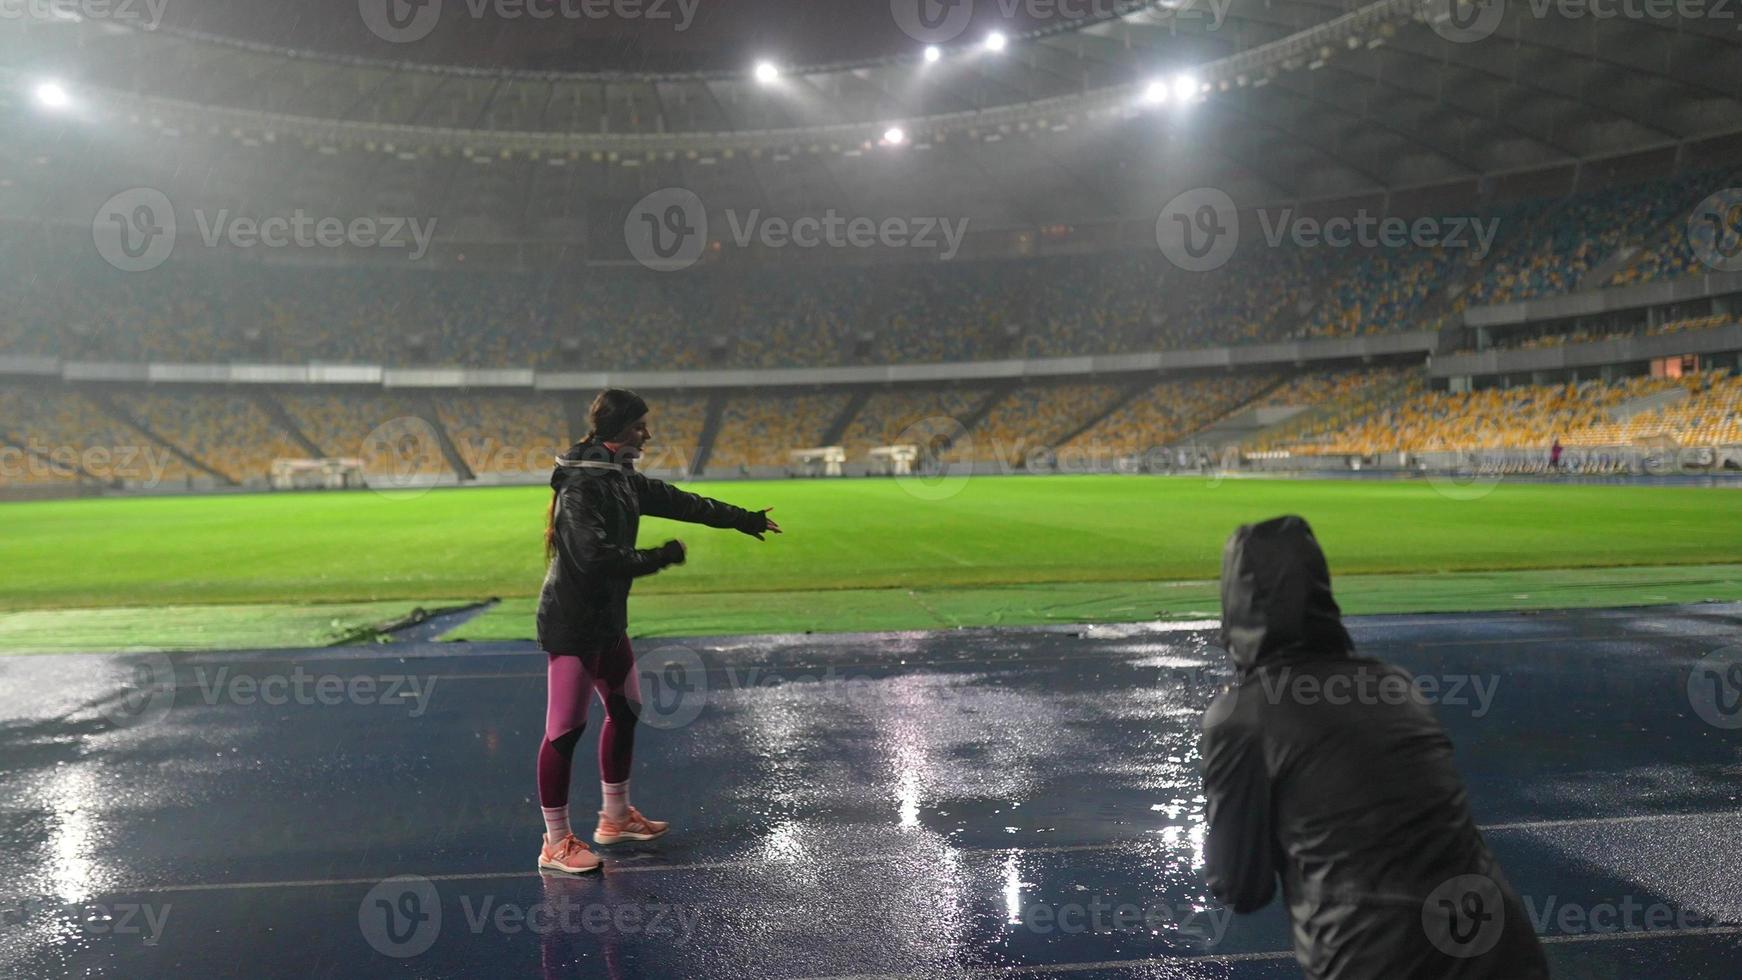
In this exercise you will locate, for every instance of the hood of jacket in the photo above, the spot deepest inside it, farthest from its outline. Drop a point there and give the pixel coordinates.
(1276, 597)
(585, 459)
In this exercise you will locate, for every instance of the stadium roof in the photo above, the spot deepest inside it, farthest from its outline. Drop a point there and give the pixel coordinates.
(1290, 100)
(627, 37)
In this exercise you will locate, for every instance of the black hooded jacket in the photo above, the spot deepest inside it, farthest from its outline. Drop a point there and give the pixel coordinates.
(584, 604)
(1328, 771)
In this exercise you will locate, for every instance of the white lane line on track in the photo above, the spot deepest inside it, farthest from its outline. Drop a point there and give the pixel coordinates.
(1604, 937)
(797, 671)
(1163, 961)
(1610, 821)
(1531, 640)
(410, 657)
(618, 869)
(1042, 970)
(615, 868)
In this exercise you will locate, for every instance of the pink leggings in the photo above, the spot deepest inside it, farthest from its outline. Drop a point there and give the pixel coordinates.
(570, 686)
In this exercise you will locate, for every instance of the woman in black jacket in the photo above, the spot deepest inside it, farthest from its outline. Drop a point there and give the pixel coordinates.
(595, 510)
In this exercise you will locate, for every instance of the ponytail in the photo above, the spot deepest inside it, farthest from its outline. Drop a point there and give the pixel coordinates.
(550, 529)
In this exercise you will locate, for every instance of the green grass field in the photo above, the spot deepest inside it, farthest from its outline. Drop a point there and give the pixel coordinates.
(857, 554)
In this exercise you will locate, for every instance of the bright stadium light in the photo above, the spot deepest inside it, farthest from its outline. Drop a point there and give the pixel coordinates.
(1155, 93)
(52, 95)
(894, 136)
(995, 41)
(767, 73)
(933, 53)
(1185, 88)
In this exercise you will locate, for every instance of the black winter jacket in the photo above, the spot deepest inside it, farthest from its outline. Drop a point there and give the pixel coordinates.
(583, 606)
(1350, 798)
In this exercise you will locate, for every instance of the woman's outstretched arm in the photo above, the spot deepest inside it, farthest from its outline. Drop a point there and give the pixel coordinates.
(661, 499)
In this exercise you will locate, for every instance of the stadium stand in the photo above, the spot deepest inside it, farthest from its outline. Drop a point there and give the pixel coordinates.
(67, 304)
(1331, 400)
(1528, 416)
(1036, 417)
(389, 433)
(1349, 412)
(1323, 387)
(761, 430)
(1387, 289)
(49, 424)
(227, 432)
(505, 433)
(1167, 413)
(1139, 301)
(1673, 254)
(887, 414)
(1711, 415)
(1564, 241)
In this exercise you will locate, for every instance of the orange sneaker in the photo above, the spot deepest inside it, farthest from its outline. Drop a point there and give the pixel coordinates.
(569, 856)
(633, 827)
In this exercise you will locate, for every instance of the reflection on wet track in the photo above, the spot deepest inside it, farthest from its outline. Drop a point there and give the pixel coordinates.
(975, 802)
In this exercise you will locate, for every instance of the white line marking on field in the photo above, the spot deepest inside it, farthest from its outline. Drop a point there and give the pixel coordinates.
(1050, 968)
(1042, 970)
(615, 868)
(1610, 821)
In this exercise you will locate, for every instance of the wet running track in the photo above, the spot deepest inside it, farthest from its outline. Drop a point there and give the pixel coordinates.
(979, 803)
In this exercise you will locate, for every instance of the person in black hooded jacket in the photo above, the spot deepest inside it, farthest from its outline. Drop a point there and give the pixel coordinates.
(597, 501)
(1329, 771)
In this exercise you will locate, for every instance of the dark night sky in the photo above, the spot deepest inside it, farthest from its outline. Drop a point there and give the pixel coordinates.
(721, 34)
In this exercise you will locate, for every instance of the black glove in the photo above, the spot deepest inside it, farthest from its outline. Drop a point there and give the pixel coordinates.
(755, 523)
(672, 552)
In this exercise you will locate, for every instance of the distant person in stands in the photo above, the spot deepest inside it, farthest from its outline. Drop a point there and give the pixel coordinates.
(596, 507)
(1350, 798)
(1554, 454)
